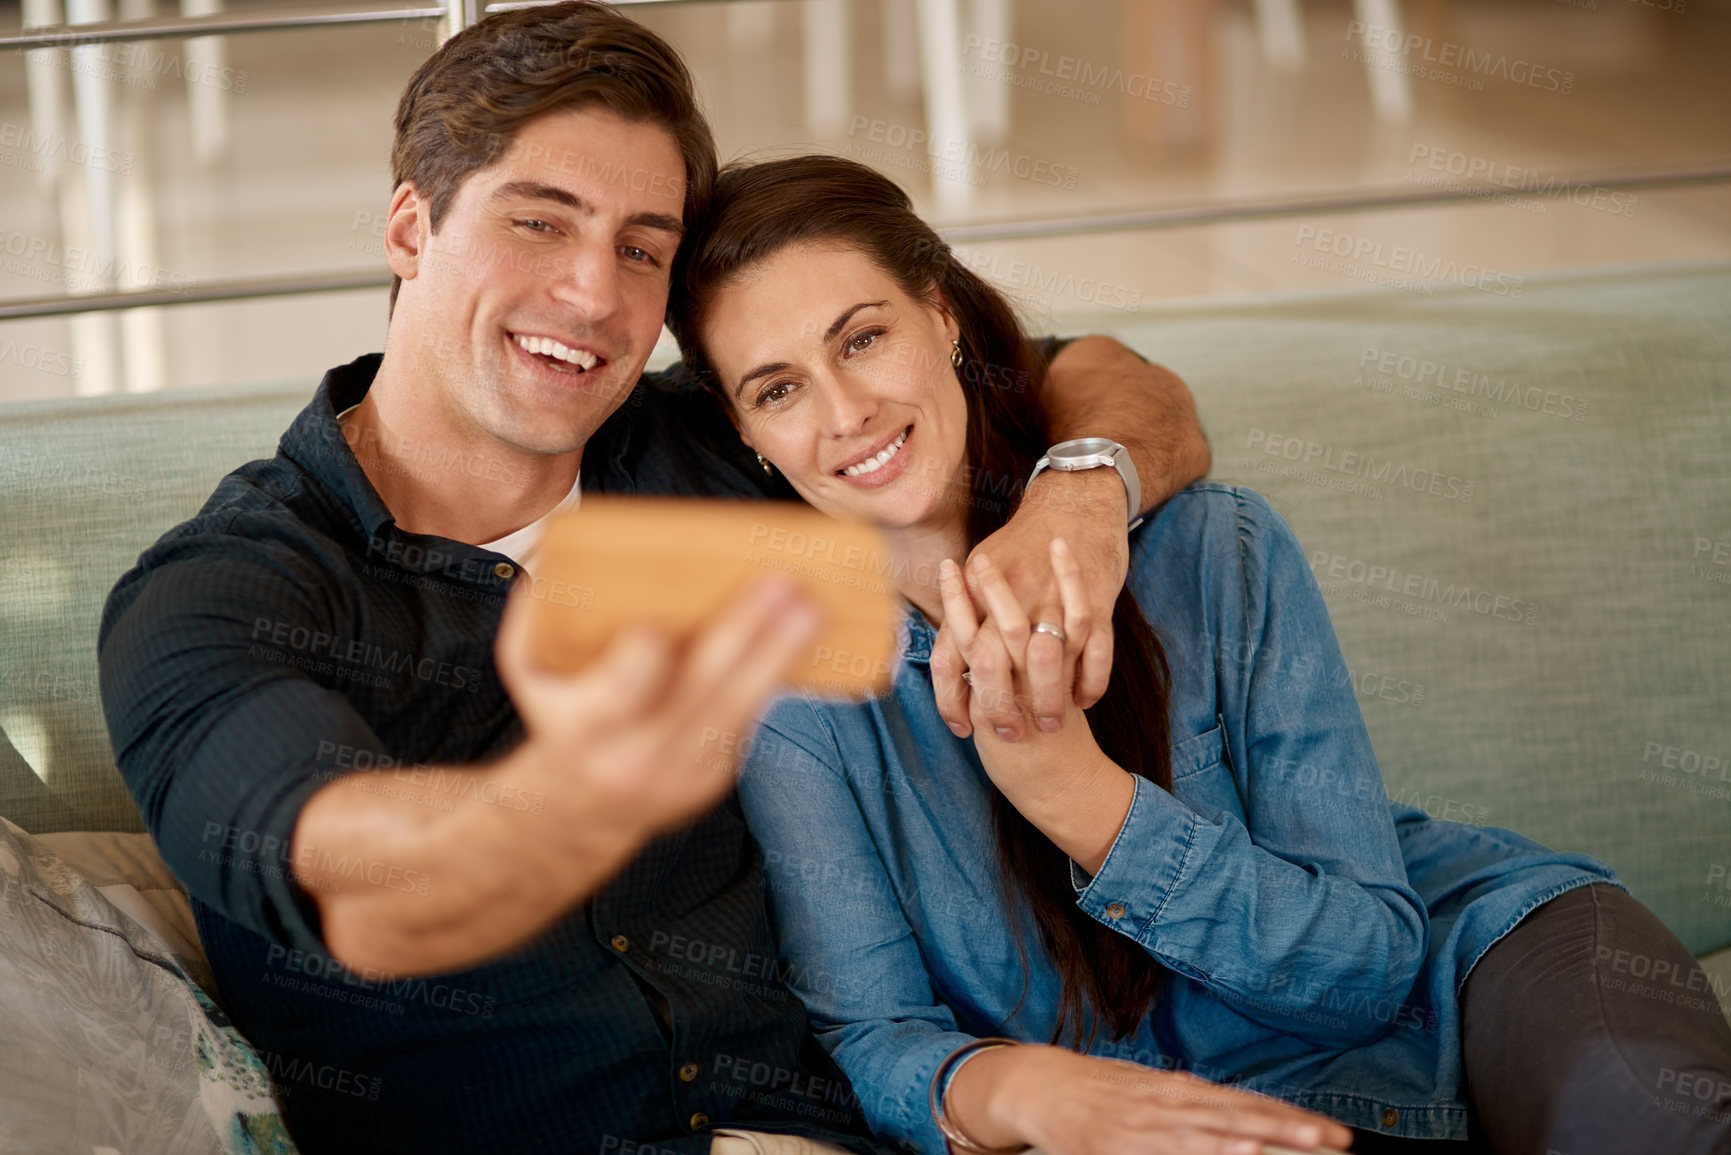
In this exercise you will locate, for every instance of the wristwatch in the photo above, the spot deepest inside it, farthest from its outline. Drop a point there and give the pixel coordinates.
(1093, 453)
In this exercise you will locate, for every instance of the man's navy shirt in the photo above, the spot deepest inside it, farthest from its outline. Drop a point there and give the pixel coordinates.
(290, 633)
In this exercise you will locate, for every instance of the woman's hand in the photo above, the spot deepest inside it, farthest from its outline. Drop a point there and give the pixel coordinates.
(1060, 780)
(1070, 1104)
(1087, 508)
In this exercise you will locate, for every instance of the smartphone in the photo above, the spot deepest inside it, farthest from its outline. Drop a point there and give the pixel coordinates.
(675, 562)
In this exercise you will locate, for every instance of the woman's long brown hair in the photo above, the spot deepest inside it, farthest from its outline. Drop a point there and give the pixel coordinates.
(759, 209)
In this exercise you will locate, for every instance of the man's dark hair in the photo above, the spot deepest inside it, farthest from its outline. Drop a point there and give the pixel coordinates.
(464, 106)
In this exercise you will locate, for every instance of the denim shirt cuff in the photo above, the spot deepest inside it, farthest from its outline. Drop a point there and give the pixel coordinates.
(1144, 866)
(913, 1124)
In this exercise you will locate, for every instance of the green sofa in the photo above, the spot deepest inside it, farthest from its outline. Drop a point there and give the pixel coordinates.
(1519, 511)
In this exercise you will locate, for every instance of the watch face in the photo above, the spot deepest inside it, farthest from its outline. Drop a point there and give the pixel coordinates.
(1083, 447)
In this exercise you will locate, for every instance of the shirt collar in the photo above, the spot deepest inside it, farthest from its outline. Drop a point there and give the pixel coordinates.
(522, 544)
(315, 442)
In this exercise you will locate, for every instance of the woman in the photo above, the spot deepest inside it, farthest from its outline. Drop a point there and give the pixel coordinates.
(1202, 873)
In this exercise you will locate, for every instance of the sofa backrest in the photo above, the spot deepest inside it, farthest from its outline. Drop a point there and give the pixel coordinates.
(1519, 511)
(85, 486)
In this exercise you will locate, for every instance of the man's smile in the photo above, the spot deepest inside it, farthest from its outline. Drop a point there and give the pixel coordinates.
(556, 355)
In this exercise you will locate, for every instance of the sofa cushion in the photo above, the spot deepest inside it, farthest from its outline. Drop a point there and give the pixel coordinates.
(107, 1044)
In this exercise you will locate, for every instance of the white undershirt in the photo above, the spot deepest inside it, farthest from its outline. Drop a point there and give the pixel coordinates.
(519, 545)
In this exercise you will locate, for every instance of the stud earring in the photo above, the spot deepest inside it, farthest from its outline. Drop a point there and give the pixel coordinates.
(764, 461)
(956, 354)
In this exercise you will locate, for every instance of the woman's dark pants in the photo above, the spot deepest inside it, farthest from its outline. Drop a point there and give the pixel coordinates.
(1589, 1029)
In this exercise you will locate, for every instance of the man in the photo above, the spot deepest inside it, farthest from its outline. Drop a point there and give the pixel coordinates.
(515, 906)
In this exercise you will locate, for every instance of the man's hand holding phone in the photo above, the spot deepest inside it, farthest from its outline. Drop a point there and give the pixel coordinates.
(640, 740)
(645, 738)
(636, 700)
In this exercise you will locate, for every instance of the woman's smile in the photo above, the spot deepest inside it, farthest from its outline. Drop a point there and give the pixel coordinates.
(879, 466)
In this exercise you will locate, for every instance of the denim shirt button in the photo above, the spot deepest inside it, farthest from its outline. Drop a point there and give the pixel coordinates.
(1116, 910)
(1390, 1116)
(620, 943)
(504, 570)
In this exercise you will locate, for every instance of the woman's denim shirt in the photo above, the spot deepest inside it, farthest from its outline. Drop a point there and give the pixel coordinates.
(1315, 934)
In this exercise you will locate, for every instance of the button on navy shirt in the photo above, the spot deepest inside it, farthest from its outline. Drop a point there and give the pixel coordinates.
(291, 632)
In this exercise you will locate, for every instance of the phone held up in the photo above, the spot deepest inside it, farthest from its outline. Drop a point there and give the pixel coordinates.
(674, 562)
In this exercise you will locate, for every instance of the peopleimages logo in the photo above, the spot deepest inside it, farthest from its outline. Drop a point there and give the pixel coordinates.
(1400, 259)
(1448, 54)
(1497, 175)
(38, 357)
(41, 147)
(1015, 274)
(44, 259)
(1066, 75)
(1393, 580)
(1382, 471)
(1455, 379)
(976, 159)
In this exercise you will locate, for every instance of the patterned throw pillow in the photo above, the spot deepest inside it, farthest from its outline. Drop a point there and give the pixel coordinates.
(105, 1044)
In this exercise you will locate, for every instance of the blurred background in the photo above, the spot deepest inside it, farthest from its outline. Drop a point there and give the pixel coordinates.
(1087, 155)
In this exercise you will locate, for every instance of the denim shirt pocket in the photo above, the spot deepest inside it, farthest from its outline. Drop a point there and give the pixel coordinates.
(1202, 752)
(1202, 776)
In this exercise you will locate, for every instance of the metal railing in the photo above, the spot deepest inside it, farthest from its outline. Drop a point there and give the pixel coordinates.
(226, 23)
(161, 27)
(1305, 206)
(238, 289)
(1173, 217)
